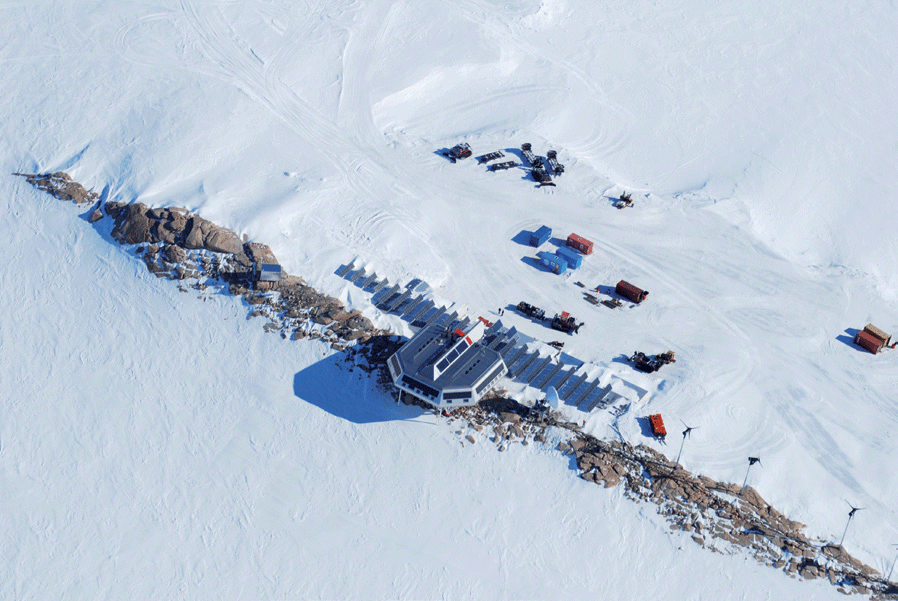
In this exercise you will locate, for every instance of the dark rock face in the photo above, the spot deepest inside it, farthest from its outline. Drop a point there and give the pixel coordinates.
(60, 185)
(169, 233)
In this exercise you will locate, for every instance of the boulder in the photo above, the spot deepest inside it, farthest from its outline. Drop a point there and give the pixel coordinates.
(509, 417)
(471, 439)
(132, 225)
(174, 253)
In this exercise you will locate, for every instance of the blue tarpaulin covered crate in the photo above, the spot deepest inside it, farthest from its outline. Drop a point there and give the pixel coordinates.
(572, 258)
(552, 262)
(540, 236)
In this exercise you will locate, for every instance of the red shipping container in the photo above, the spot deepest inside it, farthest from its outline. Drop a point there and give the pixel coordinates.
(629, 291)
(580, 243)
(868, 341)
(657, 423)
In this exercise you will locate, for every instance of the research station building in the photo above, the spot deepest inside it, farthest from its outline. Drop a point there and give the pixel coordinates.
(447, 368)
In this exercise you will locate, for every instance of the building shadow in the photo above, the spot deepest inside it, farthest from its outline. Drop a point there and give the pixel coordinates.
(523, 238)
(645, 427)
(848, 339)
(344, 390)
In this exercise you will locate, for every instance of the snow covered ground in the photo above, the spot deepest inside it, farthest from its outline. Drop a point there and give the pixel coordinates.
(155, 444)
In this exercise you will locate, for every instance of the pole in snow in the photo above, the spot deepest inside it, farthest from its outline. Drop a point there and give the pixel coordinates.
(751, 462)
(888, 578)
(682, 442)
(850, 515)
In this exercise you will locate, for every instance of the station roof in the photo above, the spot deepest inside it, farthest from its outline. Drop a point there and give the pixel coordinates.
(425, 358)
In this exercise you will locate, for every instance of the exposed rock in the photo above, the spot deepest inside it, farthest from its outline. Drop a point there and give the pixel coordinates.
(96, 214)
(174, 253)
(471, 439)
(509, 417)
(60, 186)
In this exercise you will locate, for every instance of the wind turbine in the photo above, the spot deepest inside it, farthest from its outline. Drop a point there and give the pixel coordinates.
(751, 462)
(682, 442)
(850, 515)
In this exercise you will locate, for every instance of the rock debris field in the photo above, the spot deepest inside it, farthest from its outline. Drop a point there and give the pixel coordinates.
(175, 244)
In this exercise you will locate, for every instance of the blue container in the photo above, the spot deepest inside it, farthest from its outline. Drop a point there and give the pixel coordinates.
(571, 257)
(552, 262)
(540, 236)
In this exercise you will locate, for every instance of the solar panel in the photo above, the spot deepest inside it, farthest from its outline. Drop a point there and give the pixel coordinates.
(539, 367)
(589, 389)
(412, 304)
(424, 309)
(346, 269)
(565, 377)
(548, 377)
(368, 281)
(516, 355)
(527, 363)
(574, 387)
(387, 296)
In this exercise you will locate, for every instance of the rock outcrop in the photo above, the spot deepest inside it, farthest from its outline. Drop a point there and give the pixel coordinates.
(60, 185)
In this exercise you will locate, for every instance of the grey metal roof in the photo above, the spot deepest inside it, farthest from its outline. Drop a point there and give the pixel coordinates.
(419, 354)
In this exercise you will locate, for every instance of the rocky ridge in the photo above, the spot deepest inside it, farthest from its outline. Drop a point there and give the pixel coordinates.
(176, 244)
(718, 516)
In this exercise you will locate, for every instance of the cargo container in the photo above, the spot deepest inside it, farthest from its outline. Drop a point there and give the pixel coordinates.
(540, 236)
(631, 292)
(573, 259)
(868, 341)
(552, 262)
(580, 243)
(877, 333)
(657, 424)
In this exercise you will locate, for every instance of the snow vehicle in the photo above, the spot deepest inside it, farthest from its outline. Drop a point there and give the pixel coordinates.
(460, 151)
(647, 364)
(625, 201)
(527, 151)
(542, 176)
(556, 167)
(531, 311)
(566, 323)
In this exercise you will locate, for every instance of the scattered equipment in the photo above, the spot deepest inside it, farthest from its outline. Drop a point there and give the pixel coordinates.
(631, 292)
(556, 344)
(566, 323)
(657, 425)
(648, 364)
(580, 243)
(460, 151)
(612, 303)
(872, 338)
(625, 201)
(491, 156)
(556, 167)
(531, 311)
(505, 165)
(540, 236)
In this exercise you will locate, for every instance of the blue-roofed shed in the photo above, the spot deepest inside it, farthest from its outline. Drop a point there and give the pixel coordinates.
(552, 262)
(572, 258)
(540, 236)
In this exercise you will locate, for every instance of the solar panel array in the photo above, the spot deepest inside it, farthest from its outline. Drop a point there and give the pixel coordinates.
(528, 368)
